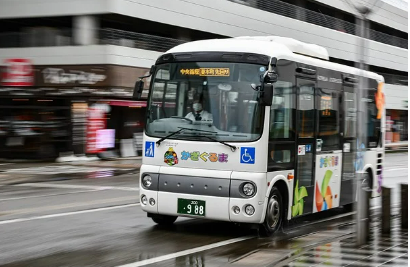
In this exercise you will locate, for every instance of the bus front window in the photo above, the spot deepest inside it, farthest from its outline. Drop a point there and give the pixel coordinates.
(217, 100)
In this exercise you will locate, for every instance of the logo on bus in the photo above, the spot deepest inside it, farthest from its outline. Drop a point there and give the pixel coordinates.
(329, 161)
(170, 157)
(247, 155)
(204, 156)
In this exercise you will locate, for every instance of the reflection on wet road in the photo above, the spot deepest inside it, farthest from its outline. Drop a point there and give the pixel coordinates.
(98, 222)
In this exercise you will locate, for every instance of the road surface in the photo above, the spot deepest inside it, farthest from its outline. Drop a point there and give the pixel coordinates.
(97, 221)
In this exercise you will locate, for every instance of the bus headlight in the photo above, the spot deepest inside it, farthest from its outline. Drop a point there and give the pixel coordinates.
(146, 181)
(249, 189)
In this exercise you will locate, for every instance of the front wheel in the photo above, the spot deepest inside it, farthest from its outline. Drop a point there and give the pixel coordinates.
(163, 219)
(274, 213)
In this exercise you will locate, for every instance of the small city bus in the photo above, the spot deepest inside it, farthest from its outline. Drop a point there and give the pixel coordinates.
(256, 130)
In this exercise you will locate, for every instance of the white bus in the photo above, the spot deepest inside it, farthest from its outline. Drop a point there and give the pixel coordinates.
(255, 130)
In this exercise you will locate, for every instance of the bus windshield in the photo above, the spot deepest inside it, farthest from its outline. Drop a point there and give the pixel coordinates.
(214, 99)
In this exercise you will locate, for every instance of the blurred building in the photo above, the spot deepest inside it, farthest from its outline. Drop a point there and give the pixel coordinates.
(68, 67)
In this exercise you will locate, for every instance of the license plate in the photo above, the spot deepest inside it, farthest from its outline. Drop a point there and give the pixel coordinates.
(191, 207)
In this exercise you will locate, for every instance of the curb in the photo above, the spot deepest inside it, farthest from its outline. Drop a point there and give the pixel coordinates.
(118, 166)
(9, 180)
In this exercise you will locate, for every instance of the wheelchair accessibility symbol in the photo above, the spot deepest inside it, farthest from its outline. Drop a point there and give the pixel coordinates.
(247, 155)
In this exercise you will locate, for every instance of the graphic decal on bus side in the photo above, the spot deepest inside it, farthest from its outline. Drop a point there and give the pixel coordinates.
(204, 156)
(359, 163)
(327, 184)
(324, 197)
(380, 100)
(329, 161)
(298, 196)
(170, 157)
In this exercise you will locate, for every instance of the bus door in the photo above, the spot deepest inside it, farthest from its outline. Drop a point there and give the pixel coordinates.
(305, 147)
(349, 104)
(328, 166)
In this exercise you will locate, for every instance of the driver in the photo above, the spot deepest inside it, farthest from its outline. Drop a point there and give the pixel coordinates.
(198, 114)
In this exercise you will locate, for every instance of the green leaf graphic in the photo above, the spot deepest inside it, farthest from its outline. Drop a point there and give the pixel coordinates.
(325, 182)
(301, 207)
(299, 194)
(302, 192)
(295, 210)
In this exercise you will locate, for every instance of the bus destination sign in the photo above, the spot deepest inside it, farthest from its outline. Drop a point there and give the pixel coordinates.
(206, 72)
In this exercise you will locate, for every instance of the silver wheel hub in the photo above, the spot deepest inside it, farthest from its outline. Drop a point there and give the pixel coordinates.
(273, 212)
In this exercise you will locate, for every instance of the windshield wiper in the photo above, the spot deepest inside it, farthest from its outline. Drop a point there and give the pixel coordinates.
(233, 148)
(168, 136)
(177, 132)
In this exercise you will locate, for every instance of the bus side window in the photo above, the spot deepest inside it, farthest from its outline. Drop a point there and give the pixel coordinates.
(329, 124)
(281, 156)
(281, 149)
(281, 113)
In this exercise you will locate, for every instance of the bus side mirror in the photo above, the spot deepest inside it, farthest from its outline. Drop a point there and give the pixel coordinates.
(139, 86)
(267, 94)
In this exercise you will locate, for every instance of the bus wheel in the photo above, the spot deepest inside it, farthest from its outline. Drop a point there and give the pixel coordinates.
(274, 213)
(163, 219)
(367, 181)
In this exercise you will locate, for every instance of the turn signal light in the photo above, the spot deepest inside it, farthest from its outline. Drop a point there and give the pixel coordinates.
(290, 176)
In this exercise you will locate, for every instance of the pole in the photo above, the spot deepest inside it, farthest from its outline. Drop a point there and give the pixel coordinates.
(361, 213)
(386, 210)
(404, 205)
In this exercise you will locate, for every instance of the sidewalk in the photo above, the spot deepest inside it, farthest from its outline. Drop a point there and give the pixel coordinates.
(126, 163)
(397, 146)
(29, 171)
(381, 250)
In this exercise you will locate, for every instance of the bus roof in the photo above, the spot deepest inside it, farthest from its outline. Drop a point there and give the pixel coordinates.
(279, 47)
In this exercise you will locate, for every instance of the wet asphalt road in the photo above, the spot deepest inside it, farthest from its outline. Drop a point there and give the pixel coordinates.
(98, 222)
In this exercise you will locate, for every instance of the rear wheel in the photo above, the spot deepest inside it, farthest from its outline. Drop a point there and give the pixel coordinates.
(367, 181)
(274, 213)
(163, 219)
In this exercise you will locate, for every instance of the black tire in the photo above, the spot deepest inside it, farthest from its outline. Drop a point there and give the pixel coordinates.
(274, 214)
(164, 219)
(367, 181)
(47, 151)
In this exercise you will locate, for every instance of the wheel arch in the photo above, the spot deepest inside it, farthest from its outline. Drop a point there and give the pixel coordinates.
(369, 169)
(285, 186)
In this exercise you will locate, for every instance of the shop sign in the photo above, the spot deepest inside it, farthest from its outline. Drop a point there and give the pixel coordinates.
(71, 76)
(17, 72)
(96, 122)
(105, 138)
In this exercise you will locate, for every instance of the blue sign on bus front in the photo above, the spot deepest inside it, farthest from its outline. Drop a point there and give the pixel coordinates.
(149, 149)
(247, 155)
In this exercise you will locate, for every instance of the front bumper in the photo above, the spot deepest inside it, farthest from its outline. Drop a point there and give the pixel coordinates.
(221, 193)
